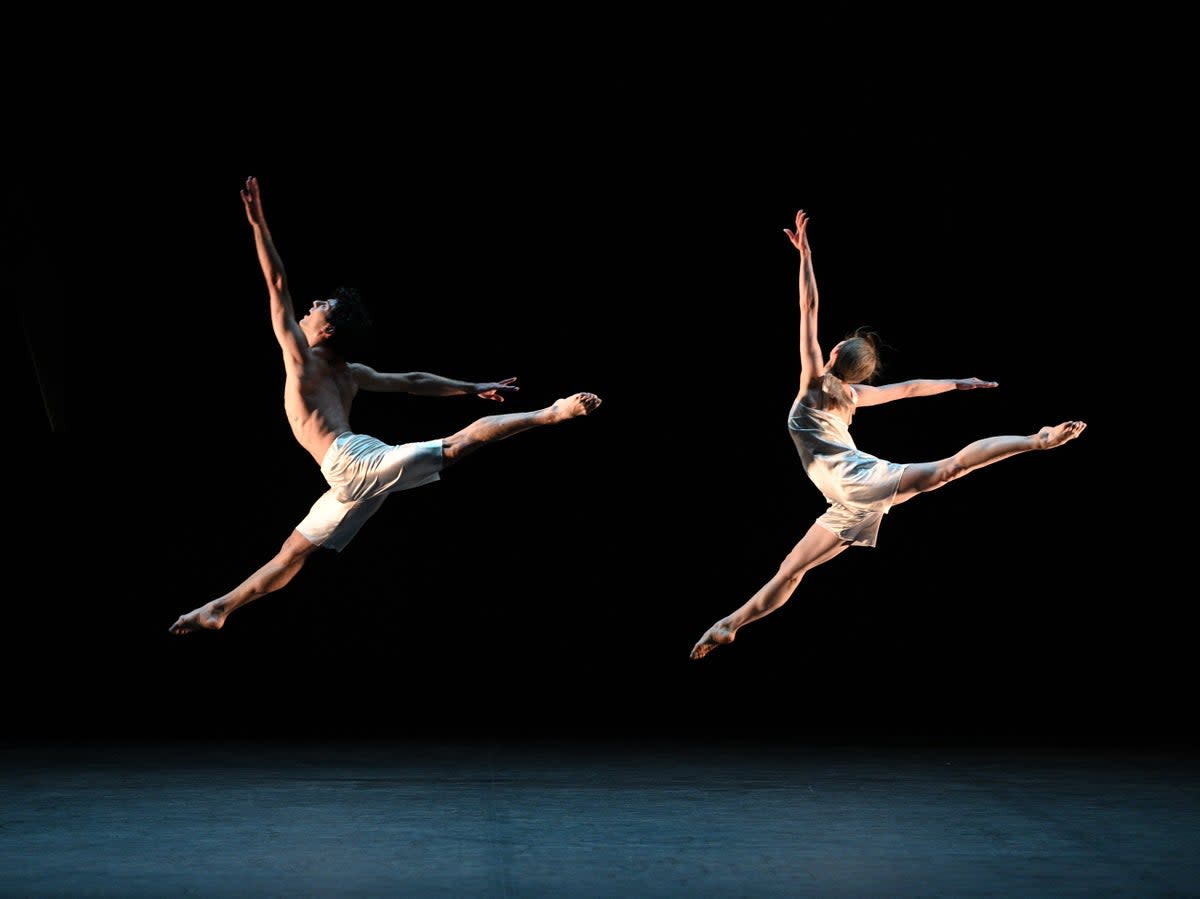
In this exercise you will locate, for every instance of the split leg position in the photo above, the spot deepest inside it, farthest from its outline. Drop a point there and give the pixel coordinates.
(820, 545)
(296, 549)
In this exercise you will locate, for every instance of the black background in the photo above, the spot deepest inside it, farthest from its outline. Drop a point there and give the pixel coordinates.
(628, 243)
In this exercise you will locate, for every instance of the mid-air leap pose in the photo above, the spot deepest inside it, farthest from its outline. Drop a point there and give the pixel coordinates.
(320, 384)
(859, 487)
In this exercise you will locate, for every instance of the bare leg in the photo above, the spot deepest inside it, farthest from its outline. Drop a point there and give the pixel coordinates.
(817, 546)
(275, 574)
(925, 476)
(491, 428)
(295, 551)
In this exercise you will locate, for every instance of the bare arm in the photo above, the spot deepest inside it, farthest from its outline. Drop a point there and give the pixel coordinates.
(423, 383)
(812, 362)
(283, 315)
(886, 393)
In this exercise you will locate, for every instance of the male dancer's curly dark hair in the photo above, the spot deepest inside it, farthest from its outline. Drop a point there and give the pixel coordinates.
(352, 324)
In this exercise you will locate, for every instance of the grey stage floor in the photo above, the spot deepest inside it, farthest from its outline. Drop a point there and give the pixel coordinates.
(621, 820)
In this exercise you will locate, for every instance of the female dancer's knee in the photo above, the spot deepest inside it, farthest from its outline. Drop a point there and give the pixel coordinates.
(932, 475)
(789, 575)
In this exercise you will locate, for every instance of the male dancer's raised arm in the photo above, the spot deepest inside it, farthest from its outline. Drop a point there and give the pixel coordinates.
(283, 313)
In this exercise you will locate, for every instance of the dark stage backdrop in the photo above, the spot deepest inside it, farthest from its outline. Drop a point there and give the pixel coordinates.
(555, 583)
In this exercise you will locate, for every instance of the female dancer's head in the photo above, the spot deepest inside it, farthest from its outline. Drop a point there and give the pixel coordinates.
(856, 359)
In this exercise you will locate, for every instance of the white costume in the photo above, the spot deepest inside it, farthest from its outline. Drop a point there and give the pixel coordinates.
(361, 471)
(860, 487)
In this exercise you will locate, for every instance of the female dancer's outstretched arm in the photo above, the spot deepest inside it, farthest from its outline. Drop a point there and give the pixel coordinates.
(812, 362)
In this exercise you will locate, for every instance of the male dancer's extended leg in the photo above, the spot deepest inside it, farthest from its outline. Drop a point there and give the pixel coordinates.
(272, 576)
(295, 551)
(491, 428)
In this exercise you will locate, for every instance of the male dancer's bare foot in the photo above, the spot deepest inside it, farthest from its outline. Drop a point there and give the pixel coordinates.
(1060, 434)
(575, 405)
(717, 635)
(201, 619)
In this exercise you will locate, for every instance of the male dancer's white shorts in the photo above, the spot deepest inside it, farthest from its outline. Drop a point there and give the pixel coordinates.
(361, 471)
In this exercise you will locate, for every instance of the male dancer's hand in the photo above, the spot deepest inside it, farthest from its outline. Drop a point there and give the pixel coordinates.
(495, 390)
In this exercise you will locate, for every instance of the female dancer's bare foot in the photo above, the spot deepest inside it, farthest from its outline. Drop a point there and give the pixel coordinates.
(575, 405)
(1060, 434)
(717, 635)
(201, 619)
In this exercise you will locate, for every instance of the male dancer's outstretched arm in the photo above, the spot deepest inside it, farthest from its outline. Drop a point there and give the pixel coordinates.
(283, 313)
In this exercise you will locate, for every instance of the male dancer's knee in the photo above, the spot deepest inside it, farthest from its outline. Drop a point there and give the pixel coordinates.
(454, 448)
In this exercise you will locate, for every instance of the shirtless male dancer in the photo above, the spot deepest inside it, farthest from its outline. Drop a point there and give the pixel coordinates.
(320, 385)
